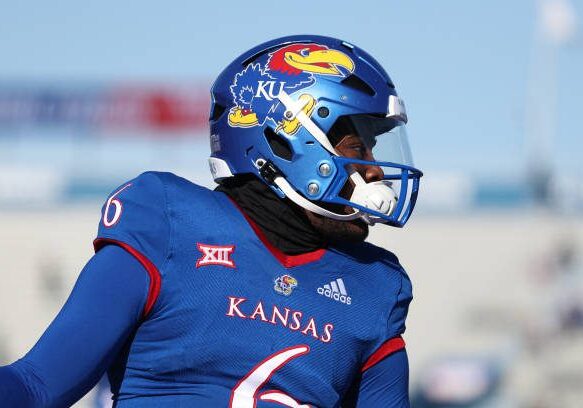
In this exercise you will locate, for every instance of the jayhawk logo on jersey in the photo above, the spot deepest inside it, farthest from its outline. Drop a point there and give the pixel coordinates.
(285, 284)
(290, 68)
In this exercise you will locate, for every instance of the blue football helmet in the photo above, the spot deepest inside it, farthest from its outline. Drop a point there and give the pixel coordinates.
(273, 108)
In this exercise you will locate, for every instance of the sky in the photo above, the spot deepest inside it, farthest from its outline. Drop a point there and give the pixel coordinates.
(464, 68)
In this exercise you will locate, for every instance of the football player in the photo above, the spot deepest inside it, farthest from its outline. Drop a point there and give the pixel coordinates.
(261, 293)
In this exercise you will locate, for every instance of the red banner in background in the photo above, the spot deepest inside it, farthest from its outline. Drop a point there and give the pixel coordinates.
(164, 109)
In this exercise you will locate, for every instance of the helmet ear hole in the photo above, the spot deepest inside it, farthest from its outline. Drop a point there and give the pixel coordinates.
(217, 111)
(279, 146)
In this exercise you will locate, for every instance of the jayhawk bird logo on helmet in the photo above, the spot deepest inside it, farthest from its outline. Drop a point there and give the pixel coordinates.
(291, 68)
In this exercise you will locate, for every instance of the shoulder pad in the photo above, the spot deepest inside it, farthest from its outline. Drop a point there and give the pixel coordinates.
(135, 213)
(398, 298)
(400, 308)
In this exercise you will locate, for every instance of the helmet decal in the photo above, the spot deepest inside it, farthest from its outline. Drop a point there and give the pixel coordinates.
(291, 68)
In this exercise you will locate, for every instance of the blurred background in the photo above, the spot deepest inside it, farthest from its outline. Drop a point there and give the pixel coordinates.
(92, 94)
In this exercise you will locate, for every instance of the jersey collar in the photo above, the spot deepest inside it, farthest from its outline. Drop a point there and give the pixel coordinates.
(288, 261)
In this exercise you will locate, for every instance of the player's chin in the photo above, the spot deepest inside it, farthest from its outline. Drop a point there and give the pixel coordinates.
(339, 231)
(355, 230)
(347, 231)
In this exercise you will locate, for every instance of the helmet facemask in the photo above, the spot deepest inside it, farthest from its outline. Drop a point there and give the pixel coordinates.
(388, 201)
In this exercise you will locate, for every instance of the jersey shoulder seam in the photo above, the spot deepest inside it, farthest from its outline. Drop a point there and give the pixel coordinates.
(169, 241)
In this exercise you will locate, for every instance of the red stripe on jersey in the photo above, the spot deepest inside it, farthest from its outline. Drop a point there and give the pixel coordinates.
(287, 261)
(153, 273)
(385, 350)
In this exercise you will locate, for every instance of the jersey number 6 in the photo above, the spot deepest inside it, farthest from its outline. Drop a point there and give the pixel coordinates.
(110, 222)
(244, 395)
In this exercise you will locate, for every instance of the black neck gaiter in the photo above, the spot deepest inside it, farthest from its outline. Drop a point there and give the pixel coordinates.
(285, 225)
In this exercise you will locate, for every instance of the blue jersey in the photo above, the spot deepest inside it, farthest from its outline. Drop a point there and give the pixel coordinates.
(231, 321)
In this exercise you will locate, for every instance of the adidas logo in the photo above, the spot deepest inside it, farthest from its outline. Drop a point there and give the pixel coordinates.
(335, 290)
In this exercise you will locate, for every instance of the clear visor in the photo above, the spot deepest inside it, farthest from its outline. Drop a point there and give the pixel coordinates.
(386, 137)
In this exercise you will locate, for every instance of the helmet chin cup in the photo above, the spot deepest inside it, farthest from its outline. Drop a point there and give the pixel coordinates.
(377, 196)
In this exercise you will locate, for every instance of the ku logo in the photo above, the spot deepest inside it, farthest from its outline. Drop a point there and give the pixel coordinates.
(215, 255)
(291, 68)
(265, 90)
(285, 284)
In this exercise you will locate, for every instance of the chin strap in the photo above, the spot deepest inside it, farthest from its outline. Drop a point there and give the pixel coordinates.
(303, 202)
